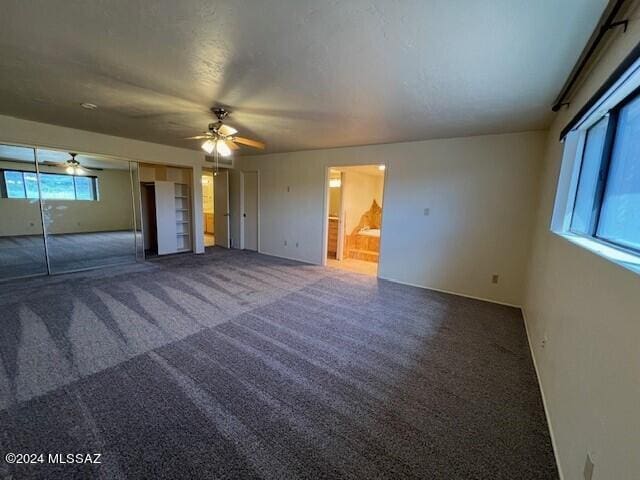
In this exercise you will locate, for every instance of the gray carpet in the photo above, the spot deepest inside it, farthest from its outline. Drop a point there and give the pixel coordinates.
(239, 365)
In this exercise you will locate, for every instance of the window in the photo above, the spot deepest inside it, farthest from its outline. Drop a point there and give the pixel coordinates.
(619, 221)
(14, 182)
(584, 212)
(20, 184)
(606, 206)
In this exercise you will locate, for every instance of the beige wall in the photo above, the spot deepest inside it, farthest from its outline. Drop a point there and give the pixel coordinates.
(481, 192)
(588, 309)
(360, 189)
(207, 192)
(334, 201)
(113, 210)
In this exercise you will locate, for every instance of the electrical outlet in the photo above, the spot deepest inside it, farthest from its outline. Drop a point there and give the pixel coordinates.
(285, 243)
(494, 278)
(544, 341)
(588, 467)
(426, 212)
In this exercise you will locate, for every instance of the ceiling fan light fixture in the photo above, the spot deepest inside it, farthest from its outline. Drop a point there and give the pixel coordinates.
(221, 138)
(70, 170)
(208, 146)
(222, 148)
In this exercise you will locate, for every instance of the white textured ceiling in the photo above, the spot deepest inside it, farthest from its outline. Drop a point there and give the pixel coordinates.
(299, 74)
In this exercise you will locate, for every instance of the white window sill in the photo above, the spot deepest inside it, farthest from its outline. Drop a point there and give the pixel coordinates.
(618, 256)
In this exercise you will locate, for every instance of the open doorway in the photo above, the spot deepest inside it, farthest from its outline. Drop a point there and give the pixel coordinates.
(354, 218)
(150, 233)
(215, 208)
(165, 194)
(208, 208)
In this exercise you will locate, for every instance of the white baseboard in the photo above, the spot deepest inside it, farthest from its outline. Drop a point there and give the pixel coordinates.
(544, 399)
(451, 292)
(307, 262)
(404, 283)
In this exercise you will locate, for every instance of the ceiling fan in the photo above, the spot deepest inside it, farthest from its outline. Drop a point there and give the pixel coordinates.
(71, 166)
(222, 138)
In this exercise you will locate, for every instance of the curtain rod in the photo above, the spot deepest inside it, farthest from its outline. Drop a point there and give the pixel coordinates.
(627, 63)
(606, 23)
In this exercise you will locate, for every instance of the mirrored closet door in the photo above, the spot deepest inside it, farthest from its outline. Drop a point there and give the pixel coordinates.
(22, 249)
(87, 206)
(64, 212)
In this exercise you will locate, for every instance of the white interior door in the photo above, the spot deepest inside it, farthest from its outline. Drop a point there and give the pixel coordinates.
(221, 208)
(250, 214)
(166, 217)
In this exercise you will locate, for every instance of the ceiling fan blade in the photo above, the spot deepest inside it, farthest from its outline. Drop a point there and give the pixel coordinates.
(226, 130)
(231, 145)
(197, 137)
(52, 164)
(250, 143)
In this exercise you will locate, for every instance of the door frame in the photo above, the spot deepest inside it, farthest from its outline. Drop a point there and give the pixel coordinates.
(325, 209)
(242, 190)
(340, 246)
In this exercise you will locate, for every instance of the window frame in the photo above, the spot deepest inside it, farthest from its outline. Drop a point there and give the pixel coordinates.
(603, 174)
(5, 193)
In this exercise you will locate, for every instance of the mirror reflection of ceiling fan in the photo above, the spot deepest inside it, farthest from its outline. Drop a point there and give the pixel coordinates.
(71, 166)
(222, 138)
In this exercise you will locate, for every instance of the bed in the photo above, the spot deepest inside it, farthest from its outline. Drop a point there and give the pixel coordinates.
(364, 241)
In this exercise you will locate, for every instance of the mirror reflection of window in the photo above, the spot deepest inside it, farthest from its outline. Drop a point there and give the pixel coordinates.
(22, 249)
(88, 207)
(22, 184)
